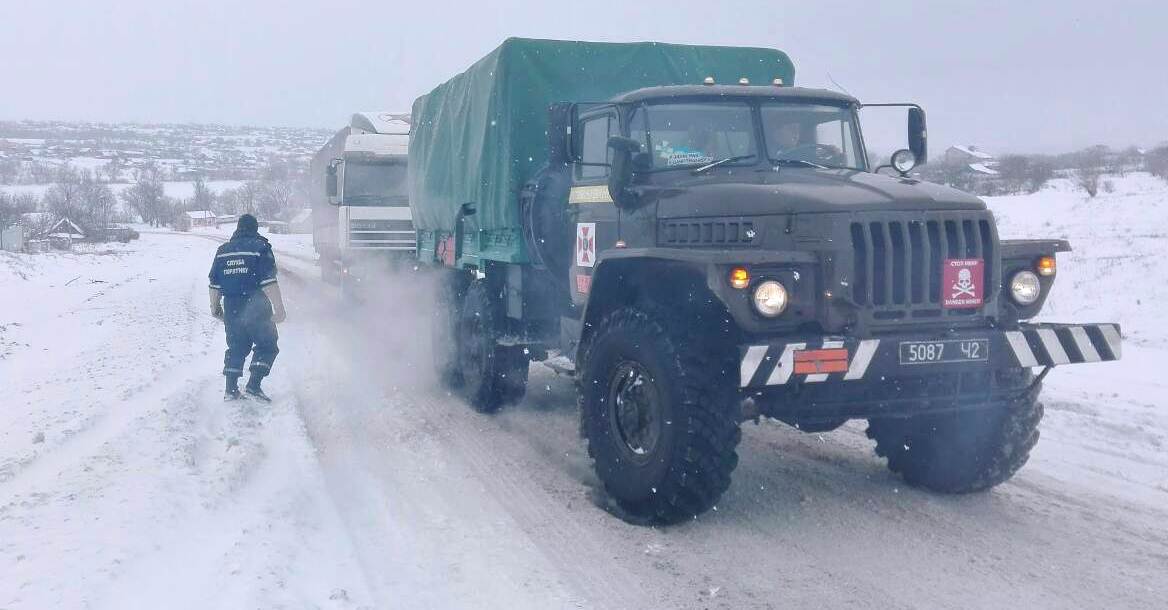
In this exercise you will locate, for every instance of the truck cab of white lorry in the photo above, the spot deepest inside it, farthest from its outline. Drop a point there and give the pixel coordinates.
(361, 212)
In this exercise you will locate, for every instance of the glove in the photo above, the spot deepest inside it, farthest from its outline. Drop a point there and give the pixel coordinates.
(279, 315)
(217, 312)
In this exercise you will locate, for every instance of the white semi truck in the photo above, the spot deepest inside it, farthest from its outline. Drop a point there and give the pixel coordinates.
(360, 205)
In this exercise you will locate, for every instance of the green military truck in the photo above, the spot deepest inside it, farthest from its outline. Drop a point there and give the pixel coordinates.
(700, 242)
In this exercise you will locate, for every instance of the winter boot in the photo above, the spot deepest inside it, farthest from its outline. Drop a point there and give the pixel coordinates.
(232, 390)
(253, 388)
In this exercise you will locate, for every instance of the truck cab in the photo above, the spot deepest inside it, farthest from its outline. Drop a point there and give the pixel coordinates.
(361, 214)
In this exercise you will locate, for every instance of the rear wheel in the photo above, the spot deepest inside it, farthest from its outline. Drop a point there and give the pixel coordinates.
(660, 422)
(492, 374)
(960, 452)
(444, 343)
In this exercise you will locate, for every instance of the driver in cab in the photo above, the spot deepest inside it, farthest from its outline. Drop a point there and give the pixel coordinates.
(793, 141)
(783, 140)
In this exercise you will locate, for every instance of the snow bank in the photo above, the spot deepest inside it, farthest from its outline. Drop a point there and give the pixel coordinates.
(1116, 271)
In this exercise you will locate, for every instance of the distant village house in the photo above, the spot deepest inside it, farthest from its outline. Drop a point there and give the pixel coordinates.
(972, 159)
(201, 218)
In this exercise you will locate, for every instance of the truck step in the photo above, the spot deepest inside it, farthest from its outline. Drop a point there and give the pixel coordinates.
(561, 364)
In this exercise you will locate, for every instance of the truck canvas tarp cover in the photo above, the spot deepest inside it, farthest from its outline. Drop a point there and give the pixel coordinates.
(481, 135)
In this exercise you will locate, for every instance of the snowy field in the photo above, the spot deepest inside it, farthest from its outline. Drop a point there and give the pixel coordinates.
(125, 482)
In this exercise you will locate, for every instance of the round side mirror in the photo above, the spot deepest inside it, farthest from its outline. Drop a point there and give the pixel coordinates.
(904, 160)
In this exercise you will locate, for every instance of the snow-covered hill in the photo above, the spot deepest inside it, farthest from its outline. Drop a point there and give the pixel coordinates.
(216, 152)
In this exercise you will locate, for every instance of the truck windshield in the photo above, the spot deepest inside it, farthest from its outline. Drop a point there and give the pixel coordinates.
(692, 135)
(817, 134)
(375, 184)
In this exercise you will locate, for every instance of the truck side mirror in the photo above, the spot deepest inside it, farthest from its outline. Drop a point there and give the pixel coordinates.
(560, 132)
(918, 135)
(621, 173)
(331, 183)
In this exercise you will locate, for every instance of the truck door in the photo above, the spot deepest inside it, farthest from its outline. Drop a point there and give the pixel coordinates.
(592, 210)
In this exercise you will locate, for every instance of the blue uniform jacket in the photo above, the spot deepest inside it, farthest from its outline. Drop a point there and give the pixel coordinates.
(243, 265)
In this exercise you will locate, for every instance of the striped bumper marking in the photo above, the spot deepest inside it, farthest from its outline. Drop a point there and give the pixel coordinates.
(769, 365)
(750, 363)
(1044, 345)
(1083, 342)
(862, 359)
(1054, 345)
(1055, 349)
(1021, 349)
(785, 366)
(1114, 342)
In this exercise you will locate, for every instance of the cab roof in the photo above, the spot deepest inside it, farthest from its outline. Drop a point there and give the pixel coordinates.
(739, 91)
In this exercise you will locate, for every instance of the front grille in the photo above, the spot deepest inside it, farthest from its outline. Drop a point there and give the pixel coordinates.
(704, 232)
(382, 234)
(898, 262)
(381, 225)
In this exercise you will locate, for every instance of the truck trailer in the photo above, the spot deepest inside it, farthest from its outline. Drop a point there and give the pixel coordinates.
(701, 243)
(360, 201)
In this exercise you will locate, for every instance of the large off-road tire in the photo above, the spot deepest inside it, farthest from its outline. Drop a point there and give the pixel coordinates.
(492, 375)
(659, 418)
(960, 452)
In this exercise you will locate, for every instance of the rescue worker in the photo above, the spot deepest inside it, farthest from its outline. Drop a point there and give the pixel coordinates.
(245, 295)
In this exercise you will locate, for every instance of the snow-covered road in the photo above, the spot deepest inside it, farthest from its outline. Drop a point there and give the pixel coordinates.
(126, 483)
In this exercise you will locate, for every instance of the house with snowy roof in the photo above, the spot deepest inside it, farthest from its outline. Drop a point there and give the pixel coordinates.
(200, 218)
(972, 158)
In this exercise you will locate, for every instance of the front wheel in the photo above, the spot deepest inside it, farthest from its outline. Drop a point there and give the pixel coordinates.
(660, 421)
(960, 452)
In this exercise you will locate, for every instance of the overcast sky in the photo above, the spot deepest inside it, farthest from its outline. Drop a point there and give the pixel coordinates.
(1009, 76)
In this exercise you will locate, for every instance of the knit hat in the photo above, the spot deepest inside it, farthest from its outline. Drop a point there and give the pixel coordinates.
(247, 224)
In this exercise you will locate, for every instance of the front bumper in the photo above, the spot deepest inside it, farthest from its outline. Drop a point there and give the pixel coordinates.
(795, 361)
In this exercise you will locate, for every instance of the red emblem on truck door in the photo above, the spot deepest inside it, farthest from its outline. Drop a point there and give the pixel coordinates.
(962, 283)
(586, 244)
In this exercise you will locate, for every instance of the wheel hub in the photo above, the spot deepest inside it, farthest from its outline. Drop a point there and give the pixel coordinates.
(636, 409)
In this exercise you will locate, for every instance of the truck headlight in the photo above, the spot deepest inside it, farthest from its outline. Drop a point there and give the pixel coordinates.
(1024, 287)
(770, 298)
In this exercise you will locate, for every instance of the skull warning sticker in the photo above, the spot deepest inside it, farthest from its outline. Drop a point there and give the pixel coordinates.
(586, 244)
(962, 283)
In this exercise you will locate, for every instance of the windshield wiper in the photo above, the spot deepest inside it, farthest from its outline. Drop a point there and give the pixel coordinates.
(797, 163)
(698, 170)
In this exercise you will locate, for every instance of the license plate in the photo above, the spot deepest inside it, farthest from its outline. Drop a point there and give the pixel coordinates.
(949, 350)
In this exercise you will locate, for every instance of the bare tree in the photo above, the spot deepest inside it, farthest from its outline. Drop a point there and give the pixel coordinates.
(13, 206)
(1040, 172)
(1156, 162)
(1090, 168)
(113, 169)
(275, 199)
(203, 198)
(247, 198)
(38, 172)
(63, 198)
(98, 203)
(10, 171)
(147, 196)
(1014, 170)
(226, 202)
